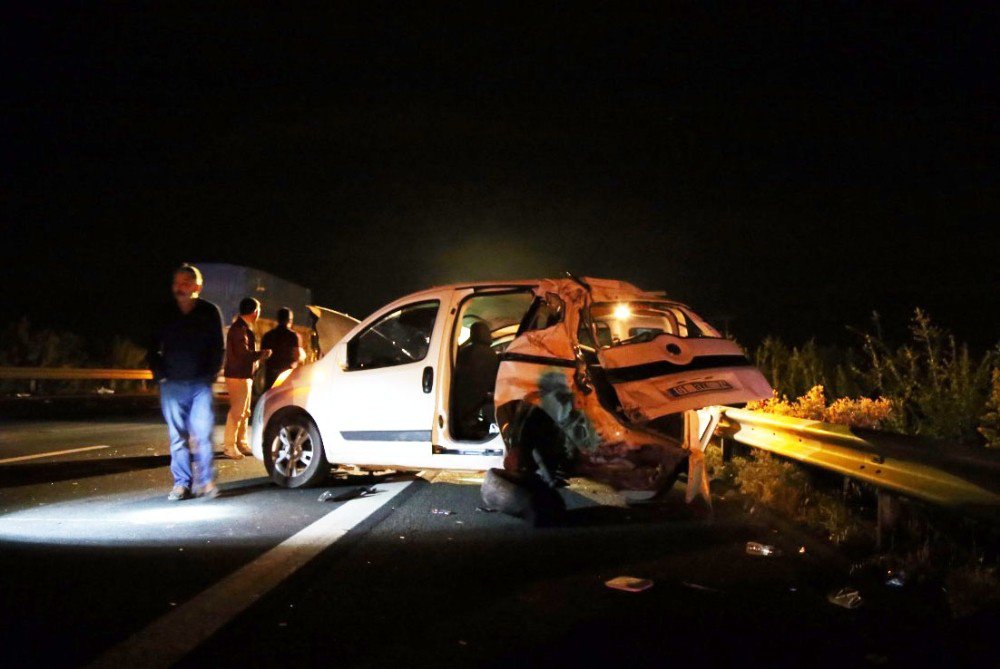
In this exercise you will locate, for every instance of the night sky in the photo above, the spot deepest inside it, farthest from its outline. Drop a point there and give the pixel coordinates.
(783, 171)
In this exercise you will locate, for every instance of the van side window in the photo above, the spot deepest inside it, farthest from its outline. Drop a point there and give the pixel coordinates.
(398, 338)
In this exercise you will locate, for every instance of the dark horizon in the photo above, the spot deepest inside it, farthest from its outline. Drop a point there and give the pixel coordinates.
(782, 171)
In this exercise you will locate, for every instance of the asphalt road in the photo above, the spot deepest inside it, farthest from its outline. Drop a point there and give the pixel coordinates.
(96, 567)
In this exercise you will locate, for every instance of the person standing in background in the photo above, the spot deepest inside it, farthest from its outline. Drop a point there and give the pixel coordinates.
(285, 346)
(242, 357)
(185, 355)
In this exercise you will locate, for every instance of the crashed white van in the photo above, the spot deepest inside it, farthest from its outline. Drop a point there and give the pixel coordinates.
(552, 378)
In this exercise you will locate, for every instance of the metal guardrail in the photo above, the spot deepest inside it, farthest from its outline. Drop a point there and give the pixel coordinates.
(91, 374)
(74, 374)
(943, 474)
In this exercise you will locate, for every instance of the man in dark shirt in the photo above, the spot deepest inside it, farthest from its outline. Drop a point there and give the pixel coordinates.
(286, 348)
(185, 356)
(241, 363)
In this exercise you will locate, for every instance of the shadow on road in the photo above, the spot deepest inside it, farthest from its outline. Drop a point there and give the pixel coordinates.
(49, 472)
(337, 481)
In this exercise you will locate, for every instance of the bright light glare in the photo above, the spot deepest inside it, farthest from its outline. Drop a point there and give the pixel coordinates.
(464, 335)
(281, 377)
(622, 312)
(86, 522)
(175, 514)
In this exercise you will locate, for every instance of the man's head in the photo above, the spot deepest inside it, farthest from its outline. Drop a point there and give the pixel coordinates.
(480, 333)
(249, 309)
(286, 317)
(187, 284)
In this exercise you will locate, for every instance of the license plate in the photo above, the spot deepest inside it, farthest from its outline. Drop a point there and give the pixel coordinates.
(694, 387)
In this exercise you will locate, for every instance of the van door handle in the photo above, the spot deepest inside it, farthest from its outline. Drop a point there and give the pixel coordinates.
(428, 380)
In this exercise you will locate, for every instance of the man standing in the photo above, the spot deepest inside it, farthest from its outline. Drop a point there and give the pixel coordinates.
(285, 346)
(241, 360)
(185, 356)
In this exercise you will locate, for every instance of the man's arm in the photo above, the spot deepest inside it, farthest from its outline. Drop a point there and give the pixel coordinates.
(238, 347)
(154, 352)
(300, 352)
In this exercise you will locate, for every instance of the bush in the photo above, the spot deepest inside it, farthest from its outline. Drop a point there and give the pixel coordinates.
(860, 412)
(941, 392)
(24, 346)
(930, 386)
(990, 424)
(972, 588)
(792, 371)
(789, 490)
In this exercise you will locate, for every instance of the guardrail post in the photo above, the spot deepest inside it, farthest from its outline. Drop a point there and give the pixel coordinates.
(730, 449)
(890, 510)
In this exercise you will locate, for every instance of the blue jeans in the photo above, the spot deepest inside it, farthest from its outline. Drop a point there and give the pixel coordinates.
(187, 408)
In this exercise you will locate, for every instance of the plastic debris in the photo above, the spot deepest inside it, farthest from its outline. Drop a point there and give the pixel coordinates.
(483, 509)
(848, 597)
(896, 580)
(802, 550)
(762, 550)
(629, 583)
(441, 512)
(696, 586)
(105, 391)
(330, 496)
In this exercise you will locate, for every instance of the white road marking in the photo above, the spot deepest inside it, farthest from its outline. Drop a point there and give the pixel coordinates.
(168, 639)
(52, 453)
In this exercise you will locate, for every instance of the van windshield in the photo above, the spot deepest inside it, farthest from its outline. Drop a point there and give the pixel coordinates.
(620, 323)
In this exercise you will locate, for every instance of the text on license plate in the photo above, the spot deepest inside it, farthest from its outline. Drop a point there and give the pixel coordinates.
(693, 387)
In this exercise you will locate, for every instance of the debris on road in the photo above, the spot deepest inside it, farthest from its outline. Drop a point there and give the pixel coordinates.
(696, 586)
(629, 583)
(441, 512)
(896, 580)
(367, 491)
(484, 509)
(762, 550)
(848, 598)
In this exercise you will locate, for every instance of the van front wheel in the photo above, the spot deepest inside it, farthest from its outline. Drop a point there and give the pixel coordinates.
(293, 452)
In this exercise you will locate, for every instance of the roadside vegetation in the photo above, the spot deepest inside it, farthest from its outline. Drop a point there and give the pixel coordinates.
(930, 386)
(25, 345)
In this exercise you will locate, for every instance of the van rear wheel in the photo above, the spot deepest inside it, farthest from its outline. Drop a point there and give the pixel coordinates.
(293, 452)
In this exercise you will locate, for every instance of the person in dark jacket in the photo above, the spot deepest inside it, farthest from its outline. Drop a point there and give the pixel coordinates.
(241, 363)
(285, 346)
(185, 355)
